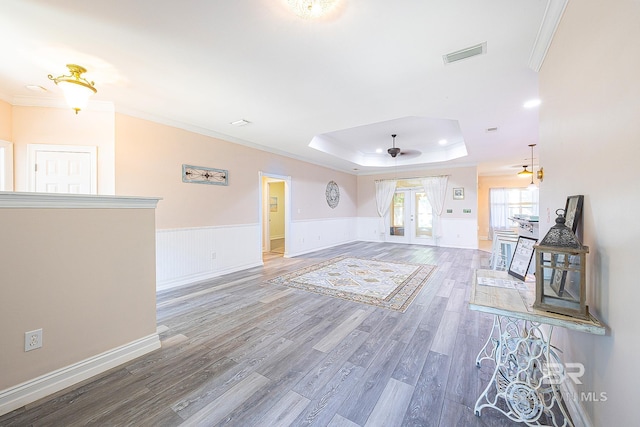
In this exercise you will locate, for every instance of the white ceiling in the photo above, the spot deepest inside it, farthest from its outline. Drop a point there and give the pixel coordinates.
(370, 69)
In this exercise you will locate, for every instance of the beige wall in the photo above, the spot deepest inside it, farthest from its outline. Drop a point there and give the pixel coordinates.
(589, 138)
(149, 158)
(85, 276)
(5, 121)
(466, 178)
(60, 126)
(484, 184)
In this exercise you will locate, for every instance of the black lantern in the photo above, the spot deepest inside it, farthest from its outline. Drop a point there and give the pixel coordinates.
(560, 272)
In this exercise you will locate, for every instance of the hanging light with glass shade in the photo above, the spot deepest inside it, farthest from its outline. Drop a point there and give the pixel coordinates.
(561, 272)
(76, 88)
(525, 173)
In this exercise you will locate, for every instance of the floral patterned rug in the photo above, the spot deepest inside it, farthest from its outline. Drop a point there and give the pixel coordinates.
(391, 285)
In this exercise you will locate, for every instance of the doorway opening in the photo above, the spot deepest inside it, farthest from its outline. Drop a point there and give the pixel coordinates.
(275, 214)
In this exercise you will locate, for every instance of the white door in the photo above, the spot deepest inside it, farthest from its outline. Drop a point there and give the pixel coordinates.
(64, 171)
(6, 166)
(410, 218)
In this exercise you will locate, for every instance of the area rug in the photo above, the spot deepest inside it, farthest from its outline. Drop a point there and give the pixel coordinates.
(386, 284)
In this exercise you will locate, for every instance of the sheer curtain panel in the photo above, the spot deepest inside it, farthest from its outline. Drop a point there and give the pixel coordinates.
(384, 194)
(435, 188)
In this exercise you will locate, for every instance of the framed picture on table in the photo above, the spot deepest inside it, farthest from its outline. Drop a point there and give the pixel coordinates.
(522, 257)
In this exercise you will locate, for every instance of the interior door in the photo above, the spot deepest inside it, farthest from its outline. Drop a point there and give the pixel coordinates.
(63, 169)
(410, 218)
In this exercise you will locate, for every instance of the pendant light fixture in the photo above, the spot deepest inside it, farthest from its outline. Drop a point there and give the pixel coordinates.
(76, 88)
(525, 172)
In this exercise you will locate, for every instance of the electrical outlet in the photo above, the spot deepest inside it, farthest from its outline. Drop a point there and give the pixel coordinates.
(32, 340)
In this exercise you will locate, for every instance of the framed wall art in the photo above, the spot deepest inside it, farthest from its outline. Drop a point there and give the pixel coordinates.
(203, 175)
(332, 193)
(458, 193)
(573, 212)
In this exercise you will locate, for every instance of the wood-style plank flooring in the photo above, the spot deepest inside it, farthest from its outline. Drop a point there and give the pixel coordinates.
(239, 352)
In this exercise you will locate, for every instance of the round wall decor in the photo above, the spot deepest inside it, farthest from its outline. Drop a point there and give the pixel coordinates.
(333, 194)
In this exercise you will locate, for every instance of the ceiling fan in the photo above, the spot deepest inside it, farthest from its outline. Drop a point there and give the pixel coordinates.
(395, 151)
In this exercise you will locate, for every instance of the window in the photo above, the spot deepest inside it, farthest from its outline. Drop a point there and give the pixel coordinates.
(505, 203)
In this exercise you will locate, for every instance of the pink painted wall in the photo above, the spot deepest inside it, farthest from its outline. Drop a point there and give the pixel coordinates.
(5, 121)
(589, 140)
(149, 158)
(60, 126)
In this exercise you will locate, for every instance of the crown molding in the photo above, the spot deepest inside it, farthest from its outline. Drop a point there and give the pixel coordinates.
(39, 101)
(552, 15)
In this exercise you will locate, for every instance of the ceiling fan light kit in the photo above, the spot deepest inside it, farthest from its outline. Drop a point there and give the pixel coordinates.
(393, 151)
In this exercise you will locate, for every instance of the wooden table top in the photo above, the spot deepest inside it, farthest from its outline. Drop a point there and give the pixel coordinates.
(498, 293)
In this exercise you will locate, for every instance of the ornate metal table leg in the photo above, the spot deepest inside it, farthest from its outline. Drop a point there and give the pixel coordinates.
(492, 342)
(521, 379)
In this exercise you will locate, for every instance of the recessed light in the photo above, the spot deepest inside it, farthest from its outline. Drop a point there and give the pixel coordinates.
(241, 122)
(378, 150)
(36, 88)
(442, 142)
(532, 103)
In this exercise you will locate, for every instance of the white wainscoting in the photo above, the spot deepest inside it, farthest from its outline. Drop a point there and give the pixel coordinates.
(456, 232)
(459, 233)
(189, 255)
(312, 235)
(371, 229)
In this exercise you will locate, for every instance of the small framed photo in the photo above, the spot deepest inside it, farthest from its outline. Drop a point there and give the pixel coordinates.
(521, 258)
(458, 193)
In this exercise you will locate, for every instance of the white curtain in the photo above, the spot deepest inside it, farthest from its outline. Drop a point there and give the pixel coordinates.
(384, 195)
(498, 210)
(435, 188)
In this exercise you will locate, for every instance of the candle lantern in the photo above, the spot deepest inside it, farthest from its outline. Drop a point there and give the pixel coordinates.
(560, 272)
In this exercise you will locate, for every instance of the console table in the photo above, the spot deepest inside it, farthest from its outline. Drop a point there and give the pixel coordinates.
(528, 370)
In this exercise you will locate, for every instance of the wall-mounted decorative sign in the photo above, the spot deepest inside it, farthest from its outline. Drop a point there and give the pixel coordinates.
(333, 194)
(202, 175)
(458, 193)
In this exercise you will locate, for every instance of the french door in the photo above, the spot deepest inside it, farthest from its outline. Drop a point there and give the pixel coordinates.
(410, 218)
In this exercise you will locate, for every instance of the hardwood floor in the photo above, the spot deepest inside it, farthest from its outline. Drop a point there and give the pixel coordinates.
(237, 351)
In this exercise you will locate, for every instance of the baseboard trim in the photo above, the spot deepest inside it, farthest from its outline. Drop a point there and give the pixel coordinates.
(37, 388)
(576, 410)
(201, 277)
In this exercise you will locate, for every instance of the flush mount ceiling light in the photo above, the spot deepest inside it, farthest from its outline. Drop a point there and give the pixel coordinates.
(311, 8)
(241, 122)
(76, 88)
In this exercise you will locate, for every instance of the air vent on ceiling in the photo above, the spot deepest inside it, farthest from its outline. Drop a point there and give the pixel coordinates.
(494, 129)
(468, 52)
